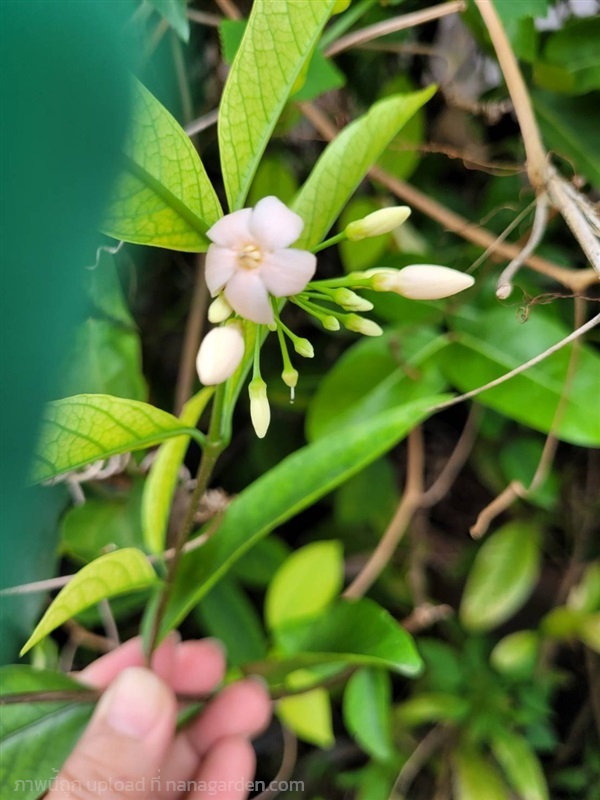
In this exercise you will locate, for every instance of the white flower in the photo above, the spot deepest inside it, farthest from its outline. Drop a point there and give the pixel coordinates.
(385, 220)
(260, 411)
(420, 281)
(220, 354)
(251, 258)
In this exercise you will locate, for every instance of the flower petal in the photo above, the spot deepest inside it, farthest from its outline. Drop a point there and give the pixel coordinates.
(247, 295)
(273, 225)
(232, 230)
(221, 264)
(286, 272)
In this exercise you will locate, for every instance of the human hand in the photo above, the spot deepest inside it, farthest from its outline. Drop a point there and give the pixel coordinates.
(131, 749)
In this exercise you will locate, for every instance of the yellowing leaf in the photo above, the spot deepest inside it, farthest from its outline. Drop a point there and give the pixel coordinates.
(88, 427)
(115, 573)
(163, 197)
(279, 38)
(308, 714)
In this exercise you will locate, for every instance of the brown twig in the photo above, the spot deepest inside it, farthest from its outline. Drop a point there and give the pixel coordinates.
(192, 337)
(395, 24)
(428, 745)
(458, 458)
(229, 9)
(286, 768)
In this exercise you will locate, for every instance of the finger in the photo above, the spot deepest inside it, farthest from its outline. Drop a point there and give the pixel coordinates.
(226, 772)
(105, 669)
(241, 709)
(198, 667)
(125, 743)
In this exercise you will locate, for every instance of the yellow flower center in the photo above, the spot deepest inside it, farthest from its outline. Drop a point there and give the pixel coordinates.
(250, 257)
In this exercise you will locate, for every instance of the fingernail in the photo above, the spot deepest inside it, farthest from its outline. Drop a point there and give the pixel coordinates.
(134, 703)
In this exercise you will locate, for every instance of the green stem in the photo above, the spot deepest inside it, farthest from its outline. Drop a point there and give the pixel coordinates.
(340, 237)
(213, 448)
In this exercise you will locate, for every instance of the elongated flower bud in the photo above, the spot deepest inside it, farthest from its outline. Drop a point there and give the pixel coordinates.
(260, 411)
(383, 221)
(219, 310)
(351, 301)
(420, 281)
(304, 348)
(361, 325)
(220, 354)
(330, 323)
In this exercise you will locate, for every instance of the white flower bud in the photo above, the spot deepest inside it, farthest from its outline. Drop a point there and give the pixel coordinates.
(420, 281)
(304, 348)
(330, 323)
(290, 378)
(219, 310)
(361, 325)
(351, 301)
(383, 221)
(260, 411)
(220, 354)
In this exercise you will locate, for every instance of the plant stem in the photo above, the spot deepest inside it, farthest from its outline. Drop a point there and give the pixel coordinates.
(211, 452)
(340, 237)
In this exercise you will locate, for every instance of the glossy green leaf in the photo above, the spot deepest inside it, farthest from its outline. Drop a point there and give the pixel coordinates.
(498, 342)
(229, 615)
(87, 427)
(345, 162)
(367, 701)
(428, 707)
(308, 714)
(509, 11)
(277, 43)
(123, 571)
(322, 76)
(568, 129)
(36, 738)
(162, 478)
(305, 584)
(258, 565)
(475, 778)
(571, 58)
(105, 359)
(402, 156)
(369, 498)
(375, 375)
(358, 632)
(520, 765)
(502, 577)
(175, 12)
(163, 197)
(294, 484)
(102, 524)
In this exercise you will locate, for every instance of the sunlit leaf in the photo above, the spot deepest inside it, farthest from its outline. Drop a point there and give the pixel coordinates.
(305, 584)
(475, 778)
(162, 478)
(279, 38)
(520, 765)
(294, 484)
(35, 738)
(163, 197)
(367, 701)
(308, 715)
(502, 577)
(87, 427)
(515, 655)
(115, 573)
(345, 162)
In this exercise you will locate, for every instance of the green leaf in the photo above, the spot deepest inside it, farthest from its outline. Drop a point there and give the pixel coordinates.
(258, 565)
(100, 524)
(162, 478)
(279, 39)
(358, 632)
(502, 577)
(497, 343)
(305, 584)
(515, 655)
(402, 157)
(227, 613)
(273, 176)
(571, 59)
(322, 76)
(115, 573)
(87, 427)
(175, 12)
(509, 11)
(105, 359)
(346, 160)
(428, 707)
(375, 375)
(570, 130)
(294, 484)
(36, 738)
(163, 197)
(520, 765)
(367, 700)
(585, 595)
(369, 498)
(104, 290)
(475, 778)
(308, 715)
(231, 33)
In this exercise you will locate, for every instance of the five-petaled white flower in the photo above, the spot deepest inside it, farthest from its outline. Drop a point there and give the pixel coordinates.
(251, 258)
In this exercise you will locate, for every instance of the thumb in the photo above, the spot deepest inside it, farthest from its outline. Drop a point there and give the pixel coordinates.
(125, 743)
